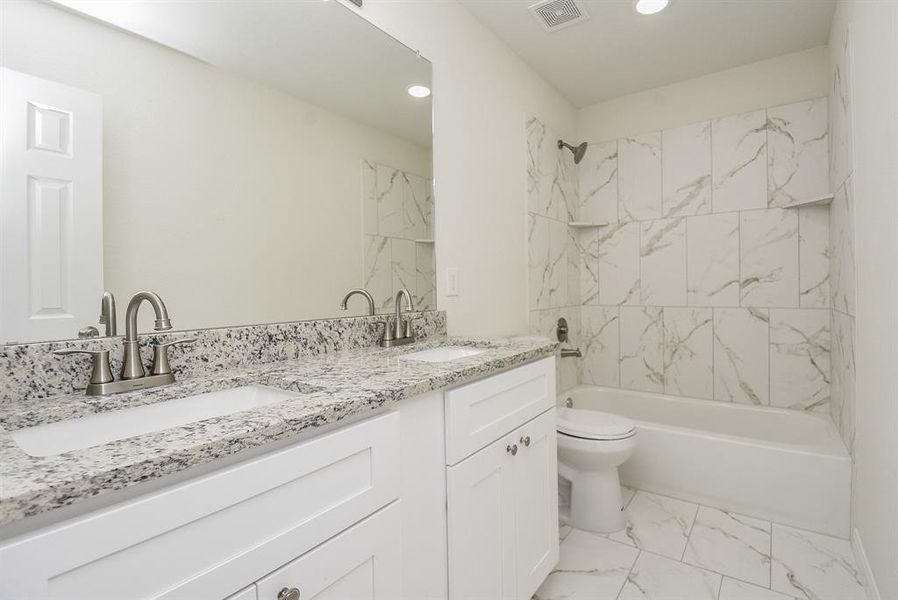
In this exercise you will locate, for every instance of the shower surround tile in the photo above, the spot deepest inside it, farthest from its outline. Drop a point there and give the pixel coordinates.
(843, 375)
(402, 264)
(369, 198)
(814, 566)
(657, 578)
(639, 164)
(841, 154)
(800, 358)
(415, 210)
(598, 184)
(539, 261)
(589, 566)
(425, 268)
(797, 159)
(688, 355)
(600, 344)
(686, 172)
(641, 348)
(814, 255)
(769, 257)
(730, 544)
(713, 260)
(390, 215)
(841, 265)
(658, 524)
(378, 277)
(588, 265)
(619, 264)
(663, 262)
(741, 355)
(739, 159)
(540, 166)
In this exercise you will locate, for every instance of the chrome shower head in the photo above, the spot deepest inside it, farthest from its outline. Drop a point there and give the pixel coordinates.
(579, 151)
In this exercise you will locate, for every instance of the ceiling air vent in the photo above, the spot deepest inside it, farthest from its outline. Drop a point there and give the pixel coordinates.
(558, 14)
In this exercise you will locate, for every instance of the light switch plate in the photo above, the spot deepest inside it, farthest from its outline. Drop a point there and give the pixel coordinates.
(452, 281)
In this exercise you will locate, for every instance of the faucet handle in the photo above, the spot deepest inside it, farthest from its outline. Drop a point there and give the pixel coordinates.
(100, 369)
(161, 366)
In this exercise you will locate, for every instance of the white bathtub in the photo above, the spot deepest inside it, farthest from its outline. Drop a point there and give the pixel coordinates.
(780, 465)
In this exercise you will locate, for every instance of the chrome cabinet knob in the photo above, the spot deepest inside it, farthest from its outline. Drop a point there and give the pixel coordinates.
(512, 449)
(525, 439)
(288, 594)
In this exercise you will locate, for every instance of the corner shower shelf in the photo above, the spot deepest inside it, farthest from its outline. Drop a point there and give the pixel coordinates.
(424, 241)
(818, 201)
(584, 224)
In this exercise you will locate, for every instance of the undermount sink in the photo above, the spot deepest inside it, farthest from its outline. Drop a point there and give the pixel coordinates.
(76, 434)
(443, 354)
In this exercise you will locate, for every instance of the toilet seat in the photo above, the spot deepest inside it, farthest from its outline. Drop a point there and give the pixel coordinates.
(593, 425)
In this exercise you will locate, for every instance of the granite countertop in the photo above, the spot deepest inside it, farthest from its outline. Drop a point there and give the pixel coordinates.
(328, 387)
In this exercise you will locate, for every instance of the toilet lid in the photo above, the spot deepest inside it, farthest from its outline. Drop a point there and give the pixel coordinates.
(594, 425)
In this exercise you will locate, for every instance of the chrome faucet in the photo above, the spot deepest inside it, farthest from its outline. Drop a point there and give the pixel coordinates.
(132, 366)
(361, 292)
(133, 375)
(400, 332)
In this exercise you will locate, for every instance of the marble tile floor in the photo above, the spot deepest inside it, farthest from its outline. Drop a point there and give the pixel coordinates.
(677, 550)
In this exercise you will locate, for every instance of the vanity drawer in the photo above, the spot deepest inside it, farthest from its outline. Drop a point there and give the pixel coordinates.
(481, 412)
(218, 533)
(362, 563)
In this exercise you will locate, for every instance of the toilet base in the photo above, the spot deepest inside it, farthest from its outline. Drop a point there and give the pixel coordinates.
(596, 501)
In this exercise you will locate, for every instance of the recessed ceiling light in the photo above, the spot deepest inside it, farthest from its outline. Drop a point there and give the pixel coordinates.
(650, 7)
(418, 91)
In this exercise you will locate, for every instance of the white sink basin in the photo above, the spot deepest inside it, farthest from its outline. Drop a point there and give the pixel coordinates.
(443, 354)
(76, 434)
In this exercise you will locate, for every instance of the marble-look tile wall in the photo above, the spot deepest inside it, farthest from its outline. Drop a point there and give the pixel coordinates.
(398, 236)
(841, 237)
(696, 280)
(555, 289)
(31, 372)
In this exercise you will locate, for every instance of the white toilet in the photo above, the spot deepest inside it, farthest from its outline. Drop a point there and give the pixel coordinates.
(591, 446)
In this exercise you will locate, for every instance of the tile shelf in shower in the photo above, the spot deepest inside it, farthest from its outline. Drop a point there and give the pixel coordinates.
(586, 225)
(818, 201)
(424, 241)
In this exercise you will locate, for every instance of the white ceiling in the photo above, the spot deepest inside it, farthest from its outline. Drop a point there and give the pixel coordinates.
(321, 52)
(618, 52)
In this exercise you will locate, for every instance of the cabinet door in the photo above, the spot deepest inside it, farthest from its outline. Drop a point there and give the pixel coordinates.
(362, 563)
(244, 594)
(536, 501)
(481, 507)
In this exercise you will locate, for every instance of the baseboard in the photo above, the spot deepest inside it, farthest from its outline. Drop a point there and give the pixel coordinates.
(860, 556)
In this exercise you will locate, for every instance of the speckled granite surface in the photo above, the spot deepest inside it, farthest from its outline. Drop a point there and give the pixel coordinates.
(32, 372)
(329, 387)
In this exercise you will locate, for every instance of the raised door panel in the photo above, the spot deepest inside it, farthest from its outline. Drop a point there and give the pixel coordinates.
(481, 412)
(51, 199)
(481, 503)
(362, 563)
(536, 494)
(248, 593)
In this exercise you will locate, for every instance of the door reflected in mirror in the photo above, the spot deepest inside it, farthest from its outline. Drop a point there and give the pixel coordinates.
(248, 161)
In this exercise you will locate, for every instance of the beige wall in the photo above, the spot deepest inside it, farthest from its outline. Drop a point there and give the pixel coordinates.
(781, 80)
(873, 94)
(236, 202)
(482, 92)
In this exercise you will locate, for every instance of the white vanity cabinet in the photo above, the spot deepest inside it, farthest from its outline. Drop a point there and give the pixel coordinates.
(502, 499)
(449, 494)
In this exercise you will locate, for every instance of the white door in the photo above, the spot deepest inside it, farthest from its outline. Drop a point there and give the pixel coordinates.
(362, 563)
(481, 517)
(536, 491)
(51, 208)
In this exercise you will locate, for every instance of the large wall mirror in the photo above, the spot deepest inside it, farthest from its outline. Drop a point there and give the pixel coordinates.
(249, 161)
